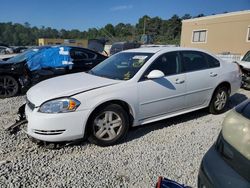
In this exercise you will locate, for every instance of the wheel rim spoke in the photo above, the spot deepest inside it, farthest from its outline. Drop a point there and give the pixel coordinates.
(112, 133)
(217, 102)
(100, 132)
(99, 123)
(4, 81)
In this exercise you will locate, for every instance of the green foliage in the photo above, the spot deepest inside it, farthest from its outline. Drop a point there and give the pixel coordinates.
(163, 31)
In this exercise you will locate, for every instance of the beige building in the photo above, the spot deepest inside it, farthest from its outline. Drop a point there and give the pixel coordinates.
(222, 33)
(70, 42)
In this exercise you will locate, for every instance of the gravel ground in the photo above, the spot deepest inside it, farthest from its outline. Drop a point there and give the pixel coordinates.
(172, 148)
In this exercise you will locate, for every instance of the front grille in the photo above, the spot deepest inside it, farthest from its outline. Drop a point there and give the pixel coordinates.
(30, 105)
(48, 132)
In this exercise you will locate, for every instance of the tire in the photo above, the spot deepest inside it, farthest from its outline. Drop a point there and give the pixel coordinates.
(219, 100)
(108, 126)
(9, 86)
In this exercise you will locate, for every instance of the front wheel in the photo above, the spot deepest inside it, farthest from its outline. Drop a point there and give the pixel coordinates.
(219, 101)
(108, 125)
(8, 86)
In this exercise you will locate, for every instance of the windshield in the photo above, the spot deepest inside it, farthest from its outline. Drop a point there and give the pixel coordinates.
(22, 57)
(246, 57)
(122, 66)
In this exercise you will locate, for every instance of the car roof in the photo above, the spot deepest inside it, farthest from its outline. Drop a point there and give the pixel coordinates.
(162, 49)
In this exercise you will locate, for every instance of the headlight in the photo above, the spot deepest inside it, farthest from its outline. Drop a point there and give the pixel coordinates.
(59, 105)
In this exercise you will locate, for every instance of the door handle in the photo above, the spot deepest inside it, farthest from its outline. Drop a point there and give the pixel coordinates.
(179, 81)
(212, 74)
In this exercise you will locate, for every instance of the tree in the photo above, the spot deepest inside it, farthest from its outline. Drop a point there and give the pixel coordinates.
(164, 31)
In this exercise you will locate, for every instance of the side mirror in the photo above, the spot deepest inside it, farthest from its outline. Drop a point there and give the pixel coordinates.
(155, 74)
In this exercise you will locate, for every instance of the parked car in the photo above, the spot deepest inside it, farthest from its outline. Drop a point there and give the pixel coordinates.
(20, 49)
(5, 50)
(120, 46)
(34, 65)
(130, 88)
(227, 162)
(245, 68)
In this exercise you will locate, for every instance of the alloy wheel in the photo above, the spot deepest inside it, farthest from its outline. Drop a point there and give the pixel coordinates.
(221, 100)
(8, 86)
(107, 125)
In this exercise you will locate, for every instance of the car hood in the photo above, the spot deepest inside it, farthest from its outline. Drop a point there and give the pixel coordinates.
(64, 86)
(245, 64)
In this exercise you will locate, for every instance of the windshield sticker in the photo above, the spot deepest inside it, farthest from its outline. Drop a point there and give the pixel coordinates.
(127, 76)
(138, 62)
(142, 57)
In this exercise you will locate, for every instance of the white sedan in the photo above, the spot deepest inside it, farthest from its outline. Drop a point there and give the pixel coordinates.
(131, 88)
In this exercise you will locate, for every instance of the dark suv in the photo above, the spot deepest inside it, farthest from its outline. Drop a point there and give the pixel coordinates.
(120, 46)
(227, 162)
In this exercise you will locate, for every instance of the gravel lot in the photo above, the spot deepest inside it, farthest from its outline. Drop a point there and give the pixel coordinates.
(172, 148)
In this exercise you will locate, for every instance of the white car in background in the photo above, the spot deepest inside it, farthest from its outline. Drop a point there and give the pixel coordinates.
(131, 88)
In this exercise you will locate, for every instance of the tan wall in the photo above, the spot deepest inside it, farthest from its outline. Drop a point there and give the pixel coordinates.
(77, 42)
(224, 34)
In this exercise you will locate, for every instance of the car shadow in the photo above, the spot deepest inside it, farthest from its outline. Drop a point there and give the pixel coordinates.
(236, 99)
(137, 132)
(165, 83)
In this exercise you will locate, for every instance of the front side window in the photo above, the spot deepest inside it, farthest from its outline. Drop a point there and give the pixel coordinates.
(193, 61)
(168, 63)
(122, 66)
(78, 55)
(199, 36)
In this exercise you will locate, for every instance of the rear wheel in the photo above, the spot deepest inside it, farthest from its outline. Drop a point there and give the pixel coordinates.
(8, 86)
(219, 100)
(108, 125)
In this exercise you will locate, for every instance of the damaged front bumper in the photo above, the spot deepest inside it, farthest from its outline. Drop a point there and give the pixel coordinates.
(13, 128)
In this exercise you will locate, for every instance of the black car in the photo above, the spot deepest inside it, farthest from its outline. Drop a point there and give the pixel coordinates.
(120, 46)
(227, 162)
(16, 76)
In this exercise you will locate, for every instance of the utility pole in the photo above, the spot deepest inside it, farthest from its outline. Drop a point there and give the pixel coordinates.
(144, 28)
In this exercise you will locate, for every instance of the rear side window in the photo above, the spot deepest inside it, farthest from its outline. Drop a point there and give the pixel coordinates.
(193, 61)
(212, 62)
(91, 55)
(80, 55)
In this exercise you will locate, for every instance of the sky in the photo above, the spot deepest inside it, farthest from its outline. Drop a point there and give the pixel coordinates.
(84, 14)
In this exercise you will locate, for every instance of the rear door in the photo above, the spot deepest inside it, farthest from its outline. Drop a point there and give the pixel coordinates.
(202, 71)
(158, 97)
